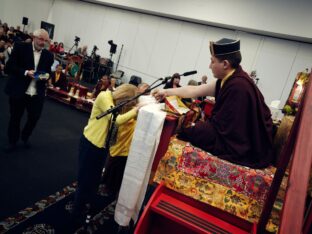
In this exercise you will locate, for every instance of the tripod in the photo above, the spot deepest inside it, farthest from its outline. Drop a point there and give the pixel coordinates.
(92, 68)
(76, 47)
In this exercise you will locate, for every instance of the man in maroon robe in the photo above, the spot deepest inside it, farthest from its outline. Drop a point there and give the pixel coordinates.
(240, 128)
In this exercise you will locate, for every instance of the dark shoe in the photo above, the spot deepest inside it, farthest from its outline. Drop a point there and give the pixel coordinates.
(26, 145)
(10, 148)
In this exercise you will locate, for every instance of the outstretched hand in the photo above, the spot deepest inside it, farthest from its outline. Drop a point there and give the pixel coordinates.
(159, 94)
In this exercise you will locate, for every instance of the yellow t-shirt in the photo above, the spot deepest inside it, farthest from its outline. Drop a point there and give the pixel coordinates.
(96, 130)
(124, 138)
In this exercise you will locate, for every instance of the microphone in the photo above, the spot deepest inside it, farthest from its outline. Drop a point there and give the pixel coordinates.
(189, 73)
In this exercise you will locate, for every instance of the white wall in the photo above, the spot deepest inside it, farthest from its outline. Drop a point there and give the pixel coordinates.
(285, 18)
(156, 47)
(12, 12)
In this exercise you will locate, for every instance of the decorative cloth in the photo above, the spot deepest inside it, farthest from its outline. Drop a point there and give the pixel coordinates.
(140, 159)
(195, 173)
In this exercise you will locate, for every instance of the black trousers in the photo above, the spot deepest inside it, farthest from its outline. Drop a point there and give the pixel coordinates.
(33, 105)
(91, 163)
(113, 174)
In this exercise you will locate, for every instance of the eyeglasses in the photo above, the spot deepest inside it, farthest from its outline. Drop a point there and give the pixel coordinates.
(42, 39)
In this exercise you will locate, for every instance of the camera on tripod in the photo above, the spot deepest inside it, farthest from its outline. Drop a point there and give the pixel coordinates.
(113, 47)
(77, 39)
(95, 48)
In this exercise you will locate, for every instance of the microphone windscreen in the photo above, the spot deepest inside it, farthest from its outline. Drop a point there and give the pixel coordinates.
(189, 73)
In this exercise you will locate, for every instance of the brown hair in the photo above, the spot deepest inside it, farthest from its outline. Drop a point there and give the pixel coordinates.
(123, 93)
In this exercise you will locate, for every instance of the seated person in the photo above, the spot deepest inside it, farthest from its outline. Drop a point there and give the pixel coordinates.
(240, 127)
(113, 83)
(174, 82)
(203, 80)
(189, 101)
(1, 63)
(83, 51)
(58, 78)
(55, 63)
(60, 48)
(53, 47)
(102, 85)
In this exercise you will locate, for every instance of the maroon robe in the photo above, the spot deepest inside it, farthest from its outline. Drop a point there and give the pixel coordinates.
(240, 128)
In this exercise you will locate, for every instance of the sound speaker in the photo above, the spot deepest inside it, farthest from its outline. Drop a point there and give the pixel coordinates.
(25, 21)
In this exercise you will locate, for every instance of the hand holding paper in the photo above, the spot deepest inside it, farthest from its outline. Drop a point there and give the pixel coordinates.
(41, 75)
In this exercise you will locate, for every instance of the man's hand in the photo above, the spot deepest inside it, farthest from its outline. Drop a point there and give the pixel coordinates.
(159, 94)
(31, 73)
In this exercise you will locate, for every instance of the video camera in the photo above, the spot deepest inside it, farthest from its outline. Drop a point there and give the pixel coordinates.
(113, 47)
(77, 39)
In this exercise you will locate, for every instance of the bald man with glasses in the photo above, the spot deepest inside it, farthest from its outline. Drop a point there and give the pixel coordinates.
(27, 68)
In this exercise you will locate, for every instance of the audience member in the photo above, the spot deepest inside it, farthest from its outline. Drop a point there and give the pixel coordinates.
(203, 80)
(11, 34)
(189, 101)
(5, 27)
(54, 47)
(113, 84)
(60, 48)
(83, 51)
(24, 88)
(2, 58)
(192, 83)
(3, 36)
(2, 46)
(174, 82)
(102, 85)
(58, 78)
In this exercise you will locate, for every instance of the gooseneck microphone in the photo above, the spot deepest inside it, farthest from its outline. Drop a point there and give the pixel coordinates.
(189, 73)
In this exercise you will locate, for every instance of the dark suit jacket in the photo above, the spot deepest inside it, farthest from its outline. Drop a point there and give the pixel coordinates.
(62, 81)
(22, 59)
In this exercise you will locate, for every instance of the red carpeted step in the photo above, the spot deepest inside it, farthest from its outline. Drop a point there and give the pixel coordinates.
(167, 210)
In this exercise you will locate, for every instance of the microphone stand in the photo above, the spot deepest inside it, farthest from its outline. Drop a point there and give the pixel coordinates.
(76, 47)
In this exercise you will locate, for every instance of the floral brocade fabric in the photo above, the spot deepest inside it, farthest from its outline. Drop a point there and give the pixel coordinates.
(195, 173)
(253, 183)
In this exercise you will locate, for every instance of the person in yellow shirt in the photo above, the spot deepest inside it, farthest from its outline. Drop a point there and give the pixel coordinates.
(92, 152)
(116, 162)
